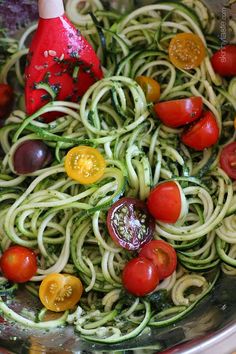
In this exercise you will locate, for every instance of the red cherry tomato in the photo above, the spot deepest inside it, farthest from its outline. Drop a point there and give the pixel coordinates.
(18, 264)
(164, 202)
(6, 100)
(140, 276)
(162, 255)
(179, 112)
(203, 133)
(228, 160)
(224, 60)
(129, 223)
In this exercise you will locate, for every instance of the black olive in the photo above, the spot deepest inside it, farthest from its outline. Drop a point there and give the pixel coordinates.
(30, 156)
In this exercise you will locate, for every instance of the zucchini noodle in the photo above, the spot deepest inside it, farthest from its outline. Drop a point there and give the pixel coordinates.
(66, 221)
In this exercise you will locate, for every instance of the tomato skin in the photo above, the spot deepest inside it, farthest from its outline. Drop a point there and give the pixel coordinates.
(186, 51)
(140, 276)
(223, 61)
(164, 202)
(18, 264)
(85, 164)
(176, 113)
(60, 292)
(6, 100)
(150, 87)
(132, 223)
(228, 160)
(162, 255)
(203, 133)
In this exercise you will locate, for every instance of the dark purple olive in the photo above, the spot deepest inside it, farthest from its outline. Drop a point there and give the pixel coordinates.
(30, 156)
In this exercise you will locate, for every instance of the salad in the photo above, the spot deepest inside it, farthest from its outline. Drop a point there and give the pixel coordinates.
(118, 212)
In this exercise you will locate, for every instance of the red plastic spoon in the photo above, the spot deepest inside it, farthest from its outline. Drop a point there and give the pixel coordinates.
(61, 64)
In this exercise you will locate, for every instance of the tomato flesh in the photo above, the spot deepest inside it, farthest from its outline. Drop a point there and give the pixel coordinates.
(164, 202)
(162, 255)
(18, 264)
(176, 113)
(223, 61)
(60, 292)
(150, 87)
(85, 164)
(186, 51)
(140, 276)
(6, 100)
(228, 160)
(129, 223)
(203, 133)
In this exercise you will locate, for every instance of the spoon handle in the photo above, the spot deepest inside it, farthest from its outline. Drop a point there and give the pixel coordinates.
(50, 8)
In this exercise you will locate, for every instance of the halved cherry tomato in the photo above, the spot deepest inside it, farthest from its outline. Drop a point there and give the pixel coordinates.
(228, 160)
(186, 51)
(85, 164)
(203, 133)
(60, 292)
(129, 223)
(162, 255)
(164, 202)
(176, 113)
(18, 264)
(150, 87)
(6, 100)
(140, 276)
(223, 61)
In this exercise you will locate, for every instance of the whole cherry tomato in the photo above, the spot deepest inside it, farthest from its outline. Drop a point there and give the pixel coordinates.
(140, 276)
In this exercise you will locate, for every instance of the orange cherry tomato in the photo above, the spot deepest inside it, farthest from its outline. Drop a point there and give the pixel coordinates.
(85, 164)
(150, 87)
(60, 292)
(186, 51)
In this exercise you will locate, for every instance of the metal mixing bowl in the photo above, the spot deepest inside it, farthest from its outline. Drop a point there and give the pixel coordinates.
(209, 328)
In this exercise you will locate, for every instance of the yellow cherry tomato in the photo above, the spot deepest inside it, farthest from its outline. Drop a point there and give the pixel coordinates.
(85, 164)
(150, 87)
(60, 292)
(186, 51)
(235, 122)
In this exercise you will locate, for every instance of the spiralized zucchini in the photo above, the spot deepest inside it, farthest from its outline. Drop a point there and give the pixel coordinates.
(66, 221)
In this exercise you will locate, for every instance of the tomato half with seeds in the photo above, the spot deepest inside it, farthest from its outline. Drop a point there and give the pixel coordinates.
(18, 264)
(165, 202)
(186, 51)
(223, 61)
(60, 292)
(6, 100)
(85, 164)
(150, 87)
(140, 276)
(228, 160)
(129, 223)
(162, 254)
(203, 133)
(176, 113)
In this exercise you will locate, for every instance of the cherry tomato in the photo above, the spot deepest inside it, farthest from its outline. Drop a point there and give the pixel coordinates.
(6, 100)
(85, 164)
(179, 112)
(164, 202)
(30, 156)
(140, 276)
(186, 51)
(60, 292)
(162, 255)
(129, 223)
(203, 133)
(223, 61)
(18, 264)
(150, 87)
(228, 160)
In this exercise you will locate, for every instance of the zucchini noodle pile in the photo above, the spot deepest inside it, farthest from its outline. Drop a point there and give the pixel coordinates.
(66, 221)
